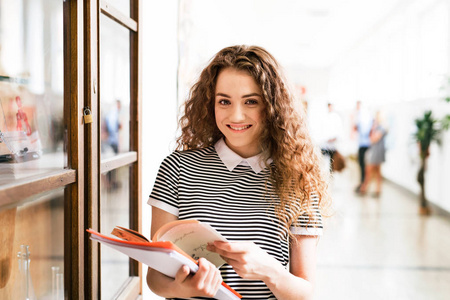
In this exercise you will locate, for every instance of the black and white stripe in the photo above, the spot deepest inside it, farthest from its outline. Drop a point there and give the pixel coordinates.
(197, 185)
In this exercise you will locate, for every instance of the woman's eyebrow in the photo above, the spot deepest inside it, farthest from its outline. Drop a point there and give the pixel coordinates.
(251, 95)
(223, 95)
(245, 96)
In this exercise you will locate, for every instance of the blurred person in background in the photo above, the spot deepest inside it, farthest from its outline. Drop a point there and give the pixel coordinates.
(113, 126)
(111, 137)
(332, 125)
(362, 125)
(375, 156)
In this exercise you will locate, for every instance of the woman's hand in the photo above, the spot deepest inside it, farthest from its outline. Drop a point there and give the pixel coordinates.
(247, 259)
(204, 283)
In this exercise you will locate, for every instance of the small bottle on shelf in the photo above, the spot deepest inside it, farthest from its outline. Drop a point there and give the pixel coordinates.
(23, 286)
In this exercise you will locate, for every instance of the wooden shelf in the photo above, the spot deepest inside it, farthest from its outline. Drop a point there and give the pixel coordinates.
(118, 161)
(110, 11)
(17, 192)
(40, 164)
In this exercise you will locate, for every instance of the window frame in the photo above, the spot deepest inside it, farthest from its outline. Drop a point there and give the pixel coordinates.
(81, 176)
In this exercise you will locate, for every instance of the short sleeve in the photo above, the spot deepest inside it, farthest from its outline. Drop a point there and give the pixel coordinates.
(309, 225)
(165, 190)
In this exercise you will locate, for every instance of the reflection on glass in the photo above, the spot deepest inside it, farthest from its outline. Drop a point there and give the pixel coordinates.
(112, 125)
(114, 211)
(31, 88)
(39, 227)
(24, 285)
(57, 284)
(114, 87)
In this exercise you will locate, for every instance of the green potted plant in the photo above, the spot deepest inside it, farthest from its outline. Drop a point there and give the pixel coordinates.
(428, 130)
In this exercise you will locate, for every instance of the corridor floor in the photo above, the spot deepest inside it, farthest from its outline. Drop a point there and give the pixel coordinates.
(381, 248)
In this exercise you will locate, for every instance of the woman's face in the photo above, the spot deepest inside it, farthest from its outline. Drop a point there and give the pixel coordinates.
(239, 111)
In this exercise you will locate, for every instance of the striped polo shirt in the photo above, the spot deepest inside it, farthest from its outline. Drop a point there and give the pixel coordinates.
(235, 196)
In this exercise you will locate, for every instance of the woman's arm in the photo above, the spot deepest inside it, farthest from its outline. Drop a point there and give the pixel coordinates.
(376, 135)
(204, 283)
(251, 262)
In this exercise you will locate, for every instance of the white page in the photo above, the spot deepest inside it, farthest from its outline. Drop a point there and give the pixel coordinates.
(193, 239)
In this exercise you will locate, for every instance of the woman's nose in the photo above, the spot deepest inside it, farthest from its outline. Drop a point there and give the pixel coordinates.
(237, 113)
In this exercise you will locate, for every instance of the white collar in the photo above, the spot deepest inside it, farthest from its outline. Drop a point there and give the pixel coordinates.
(232, 159)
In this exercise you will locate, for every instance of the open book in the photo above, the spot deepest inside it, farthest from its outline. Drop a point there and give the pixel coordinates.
(175, 244)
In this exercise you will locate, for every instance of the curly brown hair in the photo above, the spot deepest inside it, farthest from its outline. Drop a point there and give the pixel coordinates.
(295, 172)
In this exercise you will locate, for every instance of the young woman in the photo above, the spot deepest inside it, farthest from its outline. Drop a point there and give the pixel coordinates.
(249, 169)
(375, 157)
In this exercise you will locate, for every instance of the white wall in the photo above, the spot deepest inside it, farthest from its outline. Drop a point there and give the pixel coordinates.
(399, 68)
(159, 97)
(316, 95)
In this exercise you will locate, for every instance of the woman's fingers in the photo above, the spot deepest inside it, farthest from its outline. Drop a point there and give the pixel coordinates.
(247, 259)
(236, 247)
(182, 274)
(212, 280)
(202, 274)
(231, 252)
(217, 281)
(205, 280)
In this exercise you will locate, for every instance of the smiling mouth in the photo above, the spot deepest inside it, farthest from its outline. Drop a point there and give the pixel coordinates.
(238, 128)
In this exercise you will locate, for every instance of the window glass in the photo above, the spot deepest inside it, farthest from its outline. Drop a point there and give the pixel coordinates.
(114, 211)
(32, 256)
(114, 87)
(31, 88)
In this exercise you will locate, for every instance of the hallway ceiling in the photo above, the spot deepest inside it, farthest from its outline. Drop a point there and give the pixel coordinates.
(307, 33)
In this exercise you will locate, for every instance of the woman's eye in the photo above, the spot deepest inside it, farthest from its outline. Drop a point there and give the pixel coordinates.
(251, 102)
(224, 102)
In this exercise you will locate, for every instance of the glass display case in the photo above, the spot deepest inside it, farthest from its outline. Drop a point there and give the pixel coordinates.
(32, 254)
(31, 146)
(31, 88)
(58, 175)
